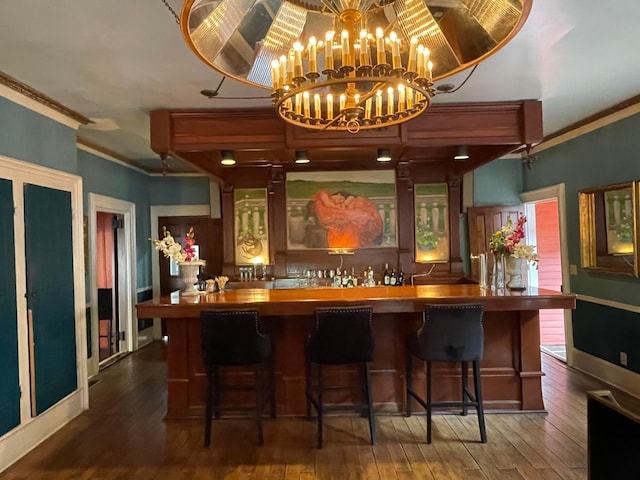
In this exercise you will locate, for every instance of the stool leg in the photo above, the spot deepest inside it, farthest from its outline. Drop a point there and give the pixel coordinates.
(409, 379)
(465, 387)
(478, 387)
(372, 424)
(209, 408)
(216, 390)
(320, 406)
(429, 406)
(307, 384)
(259, 405)
(272, 386)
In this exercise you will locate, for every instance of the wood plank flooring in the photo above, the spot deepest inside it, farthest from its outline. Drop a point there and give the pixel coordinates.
(123, 435)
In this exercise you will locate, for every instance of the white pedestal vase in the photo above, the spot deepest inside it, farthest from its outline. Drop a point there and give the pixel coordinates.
(189, 275)
(514, 270)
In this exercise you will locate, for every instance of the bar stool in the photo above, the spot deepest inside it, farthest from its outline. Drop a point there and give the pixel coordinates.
(233, 338)
(449, 333)
(340, 336)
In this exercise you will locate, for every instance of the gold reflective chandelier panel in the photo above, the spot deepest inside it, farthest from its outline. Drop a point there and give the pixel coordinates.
(348, 64)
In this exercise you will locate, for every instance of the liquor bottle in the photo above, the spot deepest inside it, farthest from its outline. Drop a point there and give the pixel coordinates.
(400, 280)
(386, 279)
(393, 279)
(337, 279)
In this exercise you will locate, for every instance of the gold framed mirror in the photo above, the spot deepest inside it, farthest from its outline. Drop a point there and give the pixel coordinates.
(609, 228)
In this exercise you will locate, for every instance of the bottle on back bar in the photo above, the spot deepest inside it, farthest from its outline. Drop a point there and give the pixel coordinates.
(400, 280)
(393, 279)
(386, 278)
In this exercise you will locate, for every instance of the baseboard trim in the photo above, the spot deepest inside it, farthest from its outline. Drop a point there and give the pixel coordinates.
(621, 378)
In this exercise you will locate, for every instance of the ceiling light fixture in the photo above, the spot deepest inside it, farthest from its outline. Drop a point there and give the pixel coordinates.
(227, 158)
(462, 153)
(302, 157)
(348, 64)
(384, 155)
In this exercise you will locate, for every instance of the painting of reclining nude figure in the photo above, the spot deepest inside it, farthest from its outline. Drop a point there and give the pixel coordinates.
(341, 210)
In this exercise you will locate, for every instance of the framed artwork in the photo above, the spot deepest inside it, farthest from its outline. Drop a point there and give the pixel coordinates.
(341, 210)
(608, 228)
(618, 210)
(431, 222)
(251, 225)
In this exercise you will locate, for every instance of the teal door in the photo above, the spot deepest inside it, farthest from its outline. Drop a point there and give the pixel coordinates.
(49, 259)
(9, 386)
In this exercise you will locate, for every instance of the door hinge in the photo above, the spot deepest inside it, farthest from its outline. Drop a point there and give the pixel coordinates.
(121, 336)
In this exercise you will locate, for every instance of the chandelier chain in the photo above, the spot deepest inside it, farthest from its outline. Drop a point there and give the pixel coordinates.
(173, 12)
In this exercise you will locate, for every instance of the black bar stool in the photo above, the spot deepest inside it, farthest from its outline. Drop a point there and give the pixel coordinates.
(340, 336)
(234, 338)
(449, 333)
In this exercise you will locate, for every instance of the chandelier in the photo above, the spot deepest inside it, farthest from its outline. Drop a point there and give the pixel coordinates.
(348, 64)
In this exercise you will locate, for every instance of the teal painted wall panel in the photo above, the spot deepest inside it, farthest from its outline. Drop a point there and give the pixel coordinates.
(104, 177)
(621, 328)
(179, 191)
(605, 156)
(9, 381)
(498, 183)
(29, 136)
(50, 297)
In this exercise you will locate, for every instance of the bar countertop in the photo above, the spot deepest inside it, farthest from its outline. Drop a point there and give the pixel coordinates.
(302, 301)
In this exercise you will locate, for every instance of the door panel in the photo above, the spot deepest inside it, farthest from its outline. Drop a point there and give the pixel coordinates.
(9, 376)
(49, 261)
(484, 221)
(208, 236)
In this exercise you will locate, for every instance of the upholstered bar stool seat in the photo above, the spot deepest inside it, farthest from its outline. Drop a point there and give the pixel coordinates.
(234, 338)
(449, 333)
(340, 336)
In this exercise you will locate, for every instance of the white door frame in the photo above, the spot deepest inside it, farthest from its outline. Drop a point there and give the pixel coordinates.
(557, 192)
(32, 431)
(156, 211)
(127, 296)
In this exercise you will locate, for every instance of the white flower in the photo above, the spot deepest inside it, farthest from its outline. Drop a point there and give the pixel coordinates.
(526, 252)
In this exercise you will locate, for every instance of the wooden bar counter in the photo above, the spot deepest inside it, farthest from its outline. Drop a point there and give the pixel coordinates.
(511, 368)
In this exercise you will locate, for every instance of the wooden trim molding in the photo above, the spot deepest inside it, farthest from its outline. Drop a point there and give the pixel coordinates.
(39, 97)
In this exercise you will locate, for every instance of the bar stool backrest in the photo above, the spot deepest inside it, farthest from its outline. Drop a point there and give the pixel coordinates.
(233, 337)
(451, 333)
(341, 335)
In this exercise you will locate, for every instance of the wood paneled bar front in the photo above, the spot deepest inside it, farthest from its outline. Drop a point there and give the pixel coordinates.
(511, 368)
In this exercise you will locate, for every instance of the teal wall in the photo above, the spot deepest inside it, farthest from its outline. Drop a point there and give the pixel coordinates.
(605, 156)
(110, 179)
(31, 137)
(179, 191)
(498, 183)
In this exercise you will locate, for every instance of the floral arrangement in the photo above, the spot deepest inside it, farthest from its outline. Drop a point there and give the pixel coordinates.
(506, 241)
(172, 249)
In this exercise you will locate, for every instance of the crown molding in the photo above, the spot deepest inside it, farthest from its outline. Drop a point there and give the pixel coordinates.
(34, 100)
(601, 119)
(107, 155)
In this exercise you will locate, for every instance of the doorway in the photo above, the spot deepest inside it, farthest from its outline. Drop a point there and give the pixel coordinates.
(109, 282)
(112, 268)
(546, 230)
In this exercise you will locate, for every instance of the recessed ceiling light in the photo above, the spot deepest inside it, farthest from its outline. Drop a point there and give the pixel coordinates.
(462, 153)
(227, 158)
(384, 155)
(302, 156)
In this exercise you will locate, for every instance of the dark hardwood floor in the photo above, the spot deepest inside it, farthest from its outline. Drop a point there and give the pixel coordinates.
(123, 435)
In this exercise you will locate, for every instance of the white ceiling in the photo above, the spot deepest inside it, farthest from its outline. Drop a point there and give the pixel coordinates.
(119, 59)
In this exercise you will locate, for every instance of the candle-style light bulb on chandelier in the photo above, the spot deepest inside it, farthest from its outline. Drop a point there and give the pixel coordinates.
(348, 64)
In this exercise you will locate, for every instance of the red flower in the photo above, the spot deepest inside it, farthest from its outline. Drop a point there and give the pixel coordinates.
(189, 239)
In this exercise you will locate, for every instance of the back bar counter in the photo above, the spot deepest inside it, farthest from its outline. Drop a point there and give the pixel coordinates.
(511, 368)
